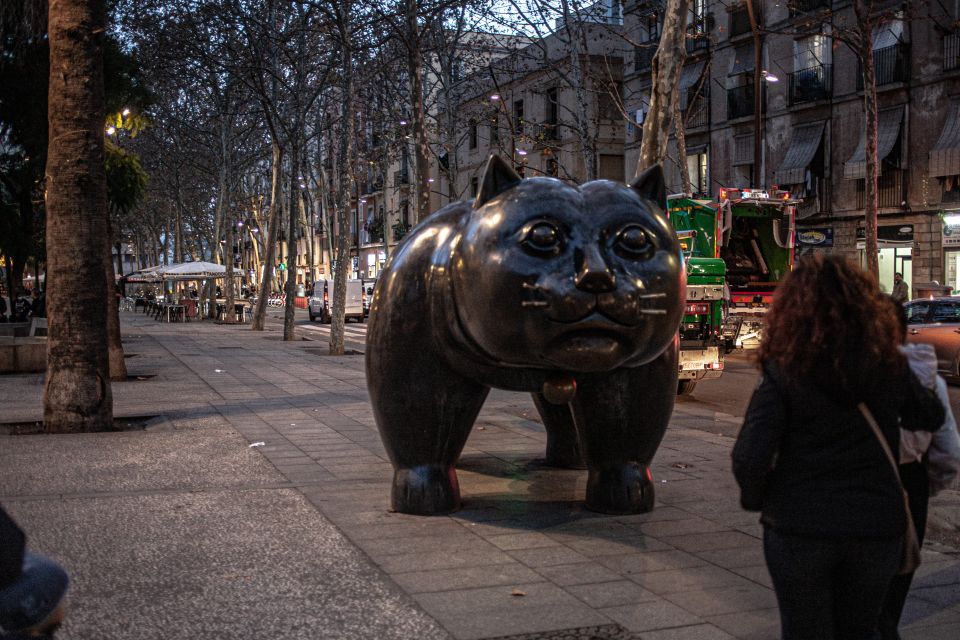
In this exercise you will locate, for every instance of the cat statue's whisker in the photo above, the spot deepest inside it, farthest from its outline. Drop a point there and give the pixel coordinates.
(534, 303)
(654, 312)
(648, 296)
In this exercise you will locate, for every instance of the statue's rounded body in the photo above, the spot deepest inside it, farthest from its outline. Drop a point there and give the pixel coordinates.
(572, 294)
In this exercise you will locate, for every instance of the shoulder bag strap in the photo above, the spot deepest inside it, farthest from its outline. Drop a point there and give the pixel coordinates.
(868, 416)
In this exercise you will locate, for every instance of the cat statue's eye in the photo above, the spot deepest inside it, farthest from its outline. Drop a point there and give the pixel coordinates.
(543, 237)
(633, 242)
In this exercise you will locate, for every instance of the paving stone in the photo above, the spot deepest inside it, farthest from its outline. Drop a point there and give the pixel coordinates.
(442, 560)
(709, 541)
(466, 578)
(758, 574)
(664, 528)
(579, 573)
(727, 599)
(546, 556)
(516, 596)
(602, 632)
(693, 632)
(688, 579)
(651, 561)
(445, 543)
(516, 541)
(503, 621)
(649, 616)
(763, 624)
(610, 594)
(747, 556)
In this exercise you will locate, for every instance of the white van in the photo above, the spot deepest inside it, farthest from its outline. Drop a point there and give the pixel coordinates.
(320, 304)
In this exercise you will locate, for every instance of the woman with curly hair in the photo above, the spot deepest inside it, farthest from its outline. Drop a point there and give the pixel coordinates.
(831, 507)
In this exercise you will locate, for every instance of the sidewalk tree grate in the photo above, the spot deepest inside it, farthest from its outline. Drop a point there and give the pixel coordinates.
(603, 632)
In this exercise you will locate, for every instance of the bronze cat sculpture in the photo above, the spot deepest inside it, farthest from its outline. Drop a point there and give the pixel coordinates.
(574, 294)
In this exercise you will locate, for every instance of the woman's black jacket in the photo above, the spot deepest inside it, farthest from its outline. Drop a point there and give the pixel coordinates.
(808, 460)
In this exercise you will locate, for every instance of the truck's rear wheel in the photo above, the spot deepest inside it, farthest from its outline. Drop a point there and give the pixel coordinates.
(685, 387)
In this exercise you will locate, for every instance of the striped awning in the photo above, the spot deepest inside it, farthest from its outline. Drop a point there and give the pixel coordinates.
(945, 155)
(688, 80)
(888, 131)
(743, 59)
(803, 146)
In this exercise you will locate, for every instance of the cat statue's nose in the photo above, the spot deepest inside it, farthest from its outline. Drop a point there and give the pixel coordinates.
(593, 275)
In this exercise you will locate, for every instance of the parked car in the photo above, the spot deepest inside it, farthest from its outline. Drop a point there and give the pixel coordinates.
(936, 321)
(320, 303)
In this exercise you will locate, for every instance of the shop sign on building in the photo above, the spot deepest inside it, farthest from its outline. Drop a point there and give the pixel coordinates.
(889, 235)
(951, 231)
(815, 237)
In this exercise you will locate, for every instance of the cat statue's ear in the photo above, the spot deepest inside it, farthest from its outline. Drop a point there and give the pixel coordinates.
(498, 176)
(651, 185)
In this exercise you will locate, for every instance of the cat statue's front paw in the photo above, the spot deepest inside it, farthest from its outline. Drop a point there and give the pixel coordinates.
(425, 490)
(620, 490)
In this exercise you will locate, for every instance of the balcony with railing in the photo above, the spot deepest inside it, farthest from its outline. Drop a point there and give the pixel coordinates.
(368, 187)
(890, 64)
(951, 51)
(740, 20)
(890, 189)
(697, 42)
(810, 85)
(741, 103)
(643, 56)
(697, 113)
(541, 131)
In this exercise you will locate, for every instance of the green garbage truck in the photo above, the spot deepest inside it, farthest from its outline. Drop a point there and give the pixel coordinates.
(737, 249)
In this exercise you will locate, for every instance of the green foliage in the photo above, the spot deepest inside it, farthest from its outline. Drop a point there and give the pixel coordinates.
(126, 179)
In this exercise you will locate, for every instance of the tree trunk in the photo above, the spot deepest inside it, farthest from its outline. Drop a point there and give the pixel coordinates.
(229, 314)
(118, 366)
(345, 187)
(77, 395)
(680, 131)
(871, 162)
(269, 238)
(289, 311)
(666, 66)
(421, 144)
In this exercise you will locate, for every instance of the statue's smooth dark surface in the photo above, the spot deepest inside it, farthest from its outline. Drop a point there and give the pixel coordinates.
(572, 294)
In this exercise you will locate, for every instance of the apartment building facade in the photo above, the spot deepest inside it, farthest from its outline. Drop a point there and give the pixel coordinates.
(546, 117)
(812, 123)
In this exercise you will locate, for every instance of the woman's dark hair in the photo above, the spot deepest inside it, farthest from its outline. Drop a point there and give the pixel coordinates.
(830, 324)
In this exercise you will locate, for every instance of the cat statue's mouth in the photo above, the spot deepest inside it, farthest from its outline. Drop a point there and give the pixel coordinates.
(604, 312)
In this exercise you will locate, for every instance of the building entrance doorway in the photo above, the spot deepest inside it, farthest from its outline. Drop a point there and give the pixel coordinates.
(952, 268)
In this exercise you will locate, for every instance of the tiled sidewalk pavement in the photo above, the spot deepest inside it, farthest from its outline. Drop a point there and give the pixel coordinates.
(523, 557)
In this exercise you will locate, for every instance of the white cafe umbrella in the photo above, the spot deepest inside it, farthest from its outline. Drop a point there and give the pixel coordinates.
(193, 271)
(150, 274)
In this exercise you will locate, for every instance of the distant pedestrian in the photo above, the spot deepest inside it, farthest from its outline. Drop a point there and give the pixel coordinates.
(32, 587)
(832, 511)
(38, 304)
(901, 291)
(928, 464)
